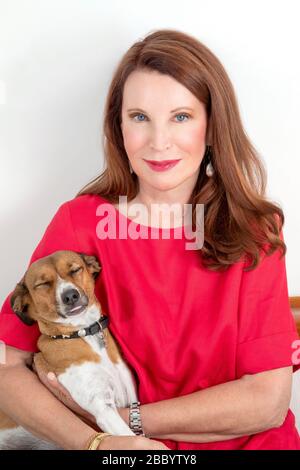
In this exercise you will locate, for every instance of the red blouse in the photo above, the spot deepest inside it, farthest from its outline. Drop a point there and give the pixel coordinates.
(181, 327)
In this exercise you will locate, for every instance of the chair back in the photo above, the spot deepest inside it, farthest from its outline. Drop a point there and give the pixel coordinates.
(295, 307)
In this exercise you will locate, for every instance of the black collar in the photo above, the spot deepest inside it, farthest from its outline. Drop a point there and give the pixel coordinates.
(99, 325)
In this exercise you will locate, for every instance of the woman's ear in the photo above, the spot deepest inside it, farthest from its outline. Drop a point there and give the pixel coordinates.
(92, 264)
(20, 302)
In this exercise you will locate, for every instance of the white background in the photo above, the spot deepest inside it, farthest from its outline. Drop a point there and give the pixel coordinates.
(56, 62)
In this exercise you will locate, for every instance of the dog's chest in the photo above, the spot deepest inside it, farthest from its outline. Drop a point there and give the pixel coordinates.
(96, 342)
(109, 380)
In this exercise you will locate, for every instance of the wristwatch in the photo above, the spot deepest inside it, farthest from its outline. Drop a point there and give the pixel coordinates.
(135, 422)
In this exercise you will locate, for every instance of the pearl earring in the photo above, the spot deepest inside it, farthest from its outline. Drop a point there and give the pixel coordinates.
(130, 168)
(209, 168)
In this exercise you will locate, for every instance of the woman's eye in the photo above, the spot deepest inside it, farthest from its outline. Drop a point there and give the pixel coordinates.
(183, 114)
(77, 270)
(139, 114)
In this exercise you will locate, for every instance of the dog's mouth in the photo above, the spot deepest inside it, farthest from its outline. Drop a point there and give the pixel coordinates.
(75, 309)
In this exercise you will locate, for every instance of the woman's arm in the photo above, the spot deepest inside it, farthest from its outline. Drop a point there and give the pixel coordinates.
(37, 409)
(29, 403)
(241, 407)
(245, 406)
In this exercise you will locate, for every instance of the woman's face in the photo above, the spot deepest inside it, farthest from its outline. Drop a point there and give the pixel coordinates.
(153, 130)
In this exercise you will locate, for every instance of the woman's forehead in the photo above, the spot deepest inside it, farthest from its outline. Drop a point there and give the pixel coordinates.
(146, 89)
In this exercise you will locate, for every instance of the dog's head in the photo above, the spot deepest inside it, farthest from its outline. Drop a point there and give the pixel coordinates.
(56, 287)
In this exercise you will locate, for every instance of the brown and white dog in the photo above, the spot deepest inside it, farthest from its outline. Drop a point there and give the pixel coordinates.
(57, 291)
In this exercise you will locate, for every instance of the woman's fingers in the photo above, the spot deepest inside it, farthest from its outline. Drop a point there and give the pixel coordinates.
(52, 377)
(54, 384)
(42, 376)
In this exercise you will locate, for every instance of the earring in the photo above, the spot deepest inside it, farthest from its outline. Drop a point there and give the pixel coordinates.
(209, 168)
(130, 168)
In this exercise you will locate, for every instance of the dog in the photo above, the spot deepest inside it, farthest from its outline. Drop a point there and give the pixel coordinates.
(57, 292)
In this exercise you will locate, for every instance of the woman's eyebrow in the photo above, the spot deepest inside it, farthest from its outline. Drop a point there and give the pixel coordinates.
(172, 110)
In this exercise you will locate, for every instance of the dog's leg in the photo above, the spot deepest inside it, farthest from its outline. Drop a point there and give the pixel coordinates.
(109, 420)
(20, 439)
(92, 387)
(104, 411)
(129, 383)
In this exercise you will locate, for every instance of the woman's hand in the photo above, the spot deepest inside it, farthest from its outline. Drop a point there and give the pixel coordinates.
(130, 443)
(110, 442)
(51, 382)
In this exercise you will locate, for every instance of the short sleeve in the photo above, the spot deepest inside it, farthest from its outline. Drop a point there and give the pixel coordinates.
(267, 333)
(59, 235)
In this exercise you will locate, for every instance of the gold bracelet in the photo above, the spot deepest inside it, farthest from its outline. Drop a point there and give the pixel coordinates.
(90, 440)
(96, 439)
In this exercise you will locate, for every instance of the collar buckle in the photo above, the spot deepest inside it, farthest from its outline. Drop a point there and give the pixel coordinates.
(95, 328)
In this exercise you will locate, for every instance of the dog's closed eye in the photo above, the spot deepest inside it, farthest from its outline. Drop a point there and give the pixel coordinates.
(42, 284)
(76, 270)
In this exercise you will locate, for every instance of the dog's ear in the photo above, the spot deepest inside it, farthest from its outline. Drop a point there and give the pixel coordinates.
(92, 264)
(20, 302)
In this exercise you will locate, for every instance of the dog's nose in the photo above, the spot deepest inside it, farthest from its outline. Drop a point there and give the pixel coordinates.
(70, 296)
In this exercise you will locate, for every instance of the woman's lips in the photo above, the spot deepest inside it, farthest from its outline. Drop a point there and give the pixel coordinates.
(162, 166)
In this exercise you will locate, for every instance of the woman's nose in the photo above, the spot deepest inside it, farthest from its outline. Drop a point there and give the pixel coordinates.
(160, 141)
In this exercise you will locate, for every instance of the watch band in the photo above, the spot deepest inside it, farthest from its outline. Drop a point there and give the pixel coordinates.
(135, 422)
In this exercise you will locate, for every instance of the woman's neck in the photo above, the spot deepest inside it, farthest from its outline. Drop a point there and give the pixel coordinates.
(161, 212)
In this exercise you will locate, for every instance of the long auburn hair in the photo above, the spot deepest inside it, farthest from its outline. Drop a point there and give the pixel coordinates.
(239, 220)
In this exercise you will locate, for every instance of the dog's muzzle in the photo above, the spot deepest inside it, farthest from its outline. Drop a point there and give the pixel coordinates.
(74, 302)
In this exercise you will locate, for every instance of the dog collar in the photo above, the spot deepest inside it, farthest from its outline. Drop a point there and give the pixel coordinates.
(99, 325)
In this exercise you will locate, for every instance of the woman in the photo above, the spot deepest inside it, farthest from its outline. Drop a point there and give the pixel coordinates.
(208, 331)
